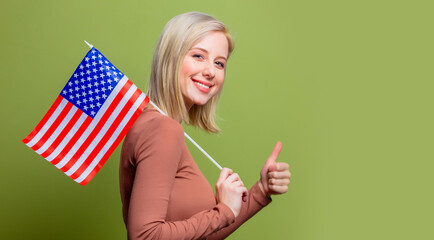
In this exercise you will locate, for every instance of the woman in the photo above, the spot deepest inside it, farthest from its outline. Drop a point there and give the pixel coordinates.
(164, 194)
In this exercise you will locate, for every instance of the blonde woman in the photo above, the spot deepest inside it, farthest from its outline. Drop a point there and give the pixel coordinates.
(163, 192)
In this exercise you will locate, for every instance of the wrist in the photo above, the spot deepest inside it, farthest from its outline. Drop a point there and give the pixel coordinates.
(263, 189)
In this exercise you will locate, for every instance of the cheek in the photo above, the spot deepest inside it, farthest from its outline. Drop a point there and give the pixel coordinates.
(220, 78)
(187, 68)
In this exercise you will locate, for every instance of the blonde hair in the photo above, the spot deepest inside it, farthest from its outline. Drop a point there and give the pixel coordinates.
(178, 36)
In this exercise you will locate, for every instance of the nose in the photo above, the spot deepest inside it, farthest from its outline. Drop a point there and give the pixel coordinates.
(208, 70)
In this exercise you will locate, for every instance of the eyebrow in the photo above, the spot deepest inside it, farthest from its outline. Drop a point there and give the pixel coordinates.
(204, 50)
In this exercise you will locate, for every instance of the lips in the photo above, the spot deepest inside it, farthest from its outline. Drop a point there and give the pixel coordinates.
(204, 87)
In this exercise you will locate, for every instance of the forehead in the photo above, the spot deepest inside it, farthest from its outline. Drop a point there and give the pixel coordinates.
(215, 43)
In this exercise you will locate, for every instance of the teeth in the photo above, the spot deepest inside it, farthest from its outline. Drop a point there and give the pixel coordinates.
(200, 84)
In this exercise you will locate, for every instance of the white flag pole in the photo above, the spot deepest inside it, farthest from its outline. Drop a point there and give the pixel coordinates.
(185, 134)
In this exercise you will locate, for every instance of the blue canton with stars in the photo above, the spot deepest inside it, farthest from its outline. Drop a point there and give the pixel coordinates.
(92, 82)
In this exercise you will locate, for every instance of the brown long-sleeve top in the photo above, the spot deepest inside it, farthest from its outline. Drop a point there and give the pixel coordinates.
(164, 193)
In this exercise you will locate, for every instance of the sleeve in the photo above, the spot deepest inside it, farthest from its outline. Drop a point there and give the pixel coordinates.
(256, 200)
(157, 153)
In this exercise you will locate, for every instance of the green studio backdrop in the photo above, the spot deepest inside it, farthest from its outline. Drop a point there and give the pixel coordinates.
(347, 86)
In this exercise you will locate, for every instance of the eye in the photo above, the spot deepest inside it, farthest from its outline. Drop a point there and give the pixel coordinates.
(220, 64)
(199, 56)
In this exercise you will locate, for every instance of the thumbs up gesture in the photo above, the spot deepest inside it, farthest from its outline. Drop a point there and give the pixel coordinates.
(275, 176)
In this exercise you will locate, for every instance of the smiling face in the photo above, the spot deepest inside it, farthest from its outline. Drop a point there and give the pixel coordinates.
(202, 71)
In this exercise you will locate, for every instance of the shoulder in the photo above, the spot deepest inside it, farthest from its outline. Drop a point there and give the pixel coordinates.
(151, 121)
(152, 134)
(154, 129)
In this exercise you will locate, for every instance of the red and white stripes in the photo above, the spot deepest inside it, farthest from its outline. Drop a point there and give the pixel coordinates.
(79, 145)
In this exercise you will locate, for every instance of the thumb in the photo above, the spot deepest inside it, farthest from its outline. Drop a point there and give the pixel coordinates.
(276, 151)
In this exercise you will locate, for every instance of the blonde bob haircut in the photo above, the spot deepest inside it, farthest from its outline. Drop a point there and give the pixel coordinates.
(177, 38)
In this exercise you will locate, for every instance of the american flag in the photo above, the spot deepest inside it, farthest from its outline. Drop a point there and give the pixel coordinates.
(89, 118)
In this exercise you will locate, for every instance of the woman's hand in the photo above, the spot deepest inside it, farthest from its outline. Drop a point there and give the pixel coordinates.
(230, 190)
(275, 176)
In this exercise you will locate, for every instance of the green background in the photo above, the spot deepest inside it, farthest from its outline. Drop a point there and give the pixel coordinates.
(347, 86)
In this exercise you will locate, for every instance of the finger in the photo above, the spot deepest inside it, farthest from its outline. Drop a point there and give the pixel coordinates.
(239, 183)
(232, 178)
(279, 182)
(275, 153)
(277, 174)
(282, 166)
(242, 190)
(224, 173)
(278, 189)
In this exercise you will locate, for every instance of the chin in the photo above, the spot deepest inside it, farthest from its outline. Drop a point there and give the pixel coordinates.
(201, 102)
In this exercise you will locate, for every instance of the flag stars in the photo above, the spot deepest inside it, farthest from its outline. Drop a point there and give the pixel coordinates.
(92, 83)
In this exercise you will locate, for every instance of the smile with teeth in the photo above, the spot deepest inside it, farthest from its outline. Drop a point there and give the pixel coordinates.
(203, 85)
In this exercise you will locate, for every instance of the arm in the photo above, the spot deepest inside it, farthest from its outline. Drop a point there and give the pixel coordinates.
(157, 154)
